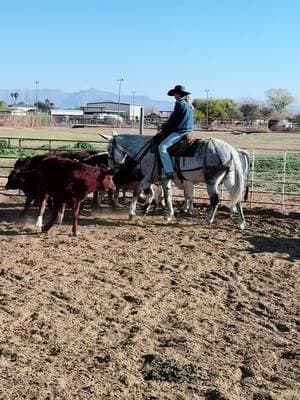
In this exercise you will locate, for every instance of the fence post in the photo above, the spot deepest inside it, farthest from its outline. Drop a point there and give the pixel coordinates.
(252, 178)
(20, 144)
(283, 181)
(50, 141)
(141, 120)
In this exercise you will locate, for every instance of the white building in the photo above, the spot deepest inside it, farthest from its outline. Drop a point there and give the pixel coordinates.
(126, 111)
(61, 112)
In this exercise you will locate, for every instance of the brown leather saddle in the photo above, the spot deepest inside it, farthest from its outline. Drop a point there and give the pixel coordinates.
(185, 148)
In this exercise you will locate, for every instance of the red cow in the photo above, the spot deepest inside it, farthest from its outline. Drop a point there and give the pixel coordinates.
(68, 182)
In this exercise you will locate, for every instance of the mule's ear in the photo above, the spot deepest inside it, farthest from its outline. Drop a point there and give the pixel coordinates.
(107, 138)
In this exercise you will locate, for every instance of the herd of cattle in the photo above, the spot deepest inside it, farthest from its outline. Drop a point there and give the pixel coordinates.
(67, 179)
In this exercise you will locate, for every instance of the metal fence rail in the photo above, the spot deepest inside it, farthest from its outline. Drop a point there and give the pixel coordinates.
(274, 177)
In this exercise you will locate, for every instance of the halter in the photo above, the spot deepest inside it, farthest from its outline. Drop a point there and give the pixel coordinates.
(124, 152)
(119, 149)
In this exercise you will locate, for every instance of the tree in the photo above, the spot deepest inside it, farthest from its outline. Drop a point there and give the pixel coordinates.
(2, 105)
(279, 99)
(12, 95)
(217, 108)
(16, 95)
(251, 110)
(44, 106)
(234, 113)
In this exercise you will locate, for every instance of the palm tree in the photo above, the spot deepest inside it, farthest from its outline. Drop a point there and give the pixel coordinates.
(16, 95)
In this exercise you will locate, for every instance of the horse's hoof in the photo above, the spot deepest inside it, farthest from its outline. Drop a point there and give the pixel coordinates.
(168, 219)
(206, 222)
(131, 217)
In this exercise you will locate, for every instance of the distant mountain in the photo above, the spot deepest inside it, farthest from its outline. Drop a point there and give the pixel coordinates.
(77, 99)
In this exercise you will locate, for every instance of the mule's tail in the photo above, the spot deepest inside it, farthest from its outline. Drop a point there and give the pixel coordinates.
(246, 165)
(237, 192)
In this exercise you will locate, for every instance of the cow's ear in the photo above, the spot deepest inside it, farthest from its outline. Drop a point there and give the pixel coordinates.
(104, 167)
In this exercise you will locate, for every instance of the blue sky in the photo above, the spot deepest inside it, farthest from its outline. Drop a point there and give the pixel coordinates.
(235, 48)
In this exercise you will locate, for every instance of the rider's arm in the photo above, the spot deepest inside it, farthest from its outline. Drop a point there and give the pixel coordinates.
(174, 120)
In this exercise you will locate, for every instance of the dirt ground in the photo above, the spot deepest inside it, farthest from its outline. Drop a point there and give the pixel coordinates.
(144, 311)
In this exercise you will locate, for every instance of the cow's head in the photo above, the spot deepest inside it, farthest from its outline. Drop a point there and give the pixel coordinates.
(105, 178)
(15, 180)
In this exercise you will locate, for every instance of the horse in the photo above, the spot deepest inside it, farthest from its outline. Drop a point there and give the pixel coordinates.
(214, 161)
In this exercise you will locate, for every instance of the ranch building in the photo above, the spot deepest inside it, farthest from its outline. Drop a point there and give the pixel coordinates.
(127, 111)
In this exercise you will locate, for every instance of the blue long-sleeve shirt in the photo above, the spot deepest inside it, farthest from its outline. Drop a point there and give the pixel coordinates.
(181, 119)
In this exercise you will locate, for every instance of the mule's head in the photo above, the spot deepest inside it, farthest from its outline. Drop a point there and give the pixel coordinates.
(116, 154)
(105, 178)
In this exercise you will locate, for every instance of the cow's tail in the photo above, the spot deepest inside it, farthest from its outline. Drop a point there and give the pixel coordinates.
(238, 188)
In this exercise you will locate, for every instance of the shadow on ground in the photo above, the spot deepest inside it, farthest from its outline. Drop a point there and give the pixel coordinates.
(283, 245)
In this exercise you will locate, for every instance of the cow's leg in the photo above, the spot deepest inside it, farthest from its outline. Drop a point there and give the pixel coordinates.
(28, 201)
(167, 188)
(57, 206)
(75, 213)
(100, 197)
(42, 207)
(61, 213)
(95, 201)
(115, 198)
(110, 195)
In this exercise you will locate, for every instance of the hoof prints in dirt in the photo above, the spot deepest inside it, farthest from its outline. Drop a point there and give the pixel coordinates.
(168, 370)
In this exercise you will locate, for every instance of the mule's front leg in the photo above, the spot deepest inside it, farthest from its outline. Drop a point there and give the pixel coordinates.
(132, 207)
(189, 193)
(167, 188)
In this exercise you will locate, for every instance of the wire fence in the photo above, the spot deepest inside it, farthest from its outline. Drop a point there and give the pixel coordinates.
(274, 179)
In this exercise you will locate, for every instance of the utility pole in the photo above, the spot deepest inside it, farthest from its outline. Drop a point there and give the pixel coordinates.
(119, 98)
(36, 96)
(207, 91)
(133, 111)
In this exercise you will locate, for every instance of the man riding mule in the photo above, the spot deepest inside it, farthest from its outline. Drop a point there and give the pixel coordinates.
(211, 161)
(175, 129)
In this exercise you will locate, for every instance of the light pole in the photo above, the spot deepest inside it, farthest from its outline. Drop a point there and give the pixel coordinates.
(133, 111)
(207, 91)
(119, 98)
(36, 95)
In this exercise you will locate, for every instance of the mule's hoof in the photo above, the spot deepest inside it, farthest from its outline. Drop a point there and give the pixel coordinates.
(39, 222)
(131, 217)
(242, 225)
(76, 234)
(168, 219)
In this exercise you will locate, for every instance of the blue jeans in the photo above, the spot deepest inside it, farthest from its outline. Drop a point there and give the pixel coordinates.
(173, 138)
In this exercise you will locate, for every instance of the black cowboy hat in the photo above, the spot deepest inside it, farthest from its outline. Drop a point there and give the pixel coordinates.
(178, 89)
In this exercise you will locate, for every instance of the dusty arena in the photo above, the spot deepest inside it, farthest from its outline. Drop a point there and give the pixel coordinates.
(144, 311)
